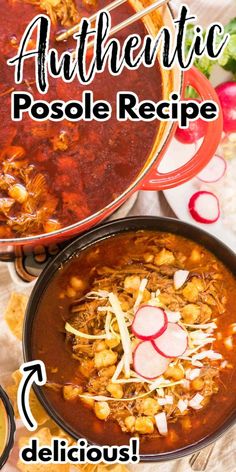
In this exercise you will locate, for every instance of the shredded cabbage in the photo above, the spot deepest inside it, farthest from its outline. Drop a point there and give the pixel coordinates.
(139, 298)
(80, 334)
(124, 332)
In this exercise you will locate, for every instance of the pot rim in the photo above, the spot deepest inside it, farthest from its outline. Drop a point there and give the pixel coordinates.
(39, 238)
(104, 231)
(11, 426)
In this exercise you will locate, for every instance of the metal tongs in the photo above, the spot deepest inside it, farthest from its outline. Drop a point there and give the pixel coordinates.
(129, 21)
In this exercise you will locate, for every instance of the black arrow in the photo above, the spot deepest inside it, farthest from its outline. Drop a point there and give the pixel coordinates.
(33, 371)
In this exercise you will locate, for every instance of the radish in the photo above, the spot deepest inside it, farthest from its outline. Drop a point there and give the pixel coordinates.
(204, 207)
(195, 131)
(173, 342)
(214, 170)
(148, 362)
(149, 322)
(227, 96)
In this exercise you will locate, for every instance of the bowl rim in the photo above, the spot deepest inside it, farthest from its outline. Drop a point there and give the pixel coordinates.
(11, 426)
(88, 239)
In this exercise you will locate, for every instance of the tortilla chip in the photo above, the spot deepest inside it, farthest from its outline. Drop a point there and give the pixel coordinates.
(37, 410)
(86, 467)
(56, 431)
(101, 468)
(118, 468)
(15, 313)
(45, 437)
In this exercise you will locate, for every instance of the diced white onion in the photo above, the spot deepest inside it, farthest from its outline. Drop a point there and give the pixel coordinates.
(173, 316)
(182, 405)
(214, 356)
(167, 400)
(154, 302)
(180, 277)
(192, 374)
(161, 423)
(186, 384)
(195, 402)
(197, 364)
(161, 380)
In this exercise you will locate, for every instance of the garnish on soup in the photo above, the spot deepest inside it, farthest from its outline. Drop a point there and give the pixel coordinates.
(148, 340)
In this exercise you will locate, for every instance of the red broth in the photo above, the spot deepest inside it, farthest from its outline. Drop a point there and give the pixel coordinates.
(69, 170)
(62, 368)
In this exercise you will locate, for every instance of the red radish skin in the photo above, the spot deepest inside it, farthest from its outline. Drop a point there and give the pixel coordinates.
(149, 322)
(173, 342)
(147, 362)
(204, 207)
(195, 131)
(214, 170)
(227, 96)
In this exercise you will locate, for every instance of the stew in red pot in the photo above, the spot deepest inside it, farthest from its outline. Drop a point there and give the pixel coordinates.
(56, 174)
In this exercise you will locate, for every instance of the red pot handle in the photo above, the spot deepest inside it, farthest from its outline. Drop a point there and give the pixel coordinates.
(156, 180)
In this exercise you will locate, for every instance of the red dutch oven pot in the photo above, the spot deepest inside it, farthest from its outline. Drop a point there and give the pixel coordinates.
(150, 177)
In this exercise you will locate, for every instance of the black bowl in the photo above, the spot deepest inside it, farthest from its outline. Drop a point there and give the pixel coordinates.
(226, 255)
(11, 427)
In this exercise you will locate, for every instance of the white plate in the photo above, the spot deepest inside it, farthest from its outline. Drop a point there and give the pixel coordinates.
(178, 197)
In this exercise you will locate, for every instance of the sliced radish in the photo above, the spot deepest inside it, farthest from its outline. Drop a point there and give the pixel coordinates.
(214, 170)
(148, 362)
(173, 342)
(149, 322)
(204, 207)
(180, 277)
